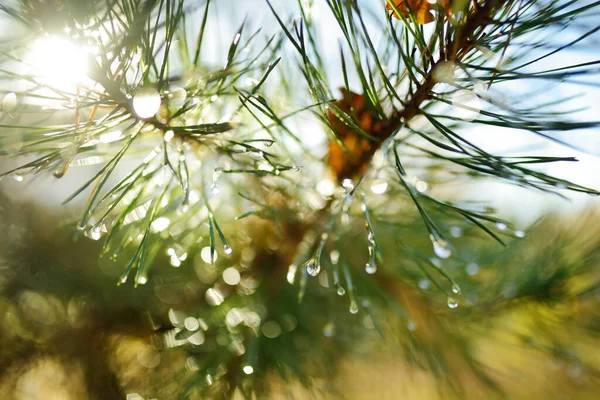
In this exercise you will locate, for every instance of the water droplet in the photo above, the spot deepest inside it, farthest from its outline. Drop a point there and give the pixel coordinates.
(207, 255)
(268, 143)
(326, 187)
(411, 326)
(560, 185)
(341, 291)
(472, 269)
(424, 284)
(329, 329)
(160, 224)
(520, 234)
(146, 102)
(296, 168)
(168, 136)
(353, 307)
(441, 249)
(370, 268)
(257, 154)
(452, 303)
(455, 289)
(18, 178)
(209, 380)
(456, 231)
(231, 276)
(421, 186)
(227, 250)
(348, 185)
(334, 256)
(501, 226)
(9, 102)
(379, 187)
(248, 370)
(216, 174)
(213, 297)
(291, 274)
(313, 267)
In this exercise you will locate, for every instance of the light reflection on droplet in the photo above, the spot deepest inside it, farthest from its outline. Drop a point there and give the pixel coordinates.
(501, 226)
(452, 303)
(424, 284)
(313, 267)
(160, 224)
(472, 269)
(191, 324)
(252, 319)
(348, 185)
(197, 338)
(455, 289)
(421, 186)
(248, 370)
(456, 231)
(334, 256)
(231, 276)
(326, 187)
(379, 187)
(205, 254)
(291, 274)
(328, 329)
(214, 297)
(440, 248)
(234, 317)
(370, 268)
(146, 102)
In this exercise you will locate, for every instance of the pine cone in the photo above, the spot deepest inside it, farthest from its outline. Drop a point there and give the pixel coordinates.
(354, 159)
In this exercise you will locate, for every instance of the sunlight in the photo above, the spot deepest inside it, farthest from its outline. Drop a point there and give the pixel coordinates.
(58, 62)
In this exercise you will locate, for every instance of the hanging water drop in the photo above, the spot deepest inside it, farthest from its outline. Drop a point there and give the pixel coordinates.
(440, 248)
(455, 289)
(341, 291)
(313, 267)
(501, 226)
(370, 268)
(452, 303)
(348, 185)
(296, 168)
(227, 250)
(216, 174)
(146, 102)
(379, 187)
(353, 307)
(329, 329)
(291, 274)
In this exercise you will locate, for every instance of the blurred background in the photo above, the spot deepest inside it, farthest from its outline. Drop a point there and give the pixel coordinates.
(532, 322)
